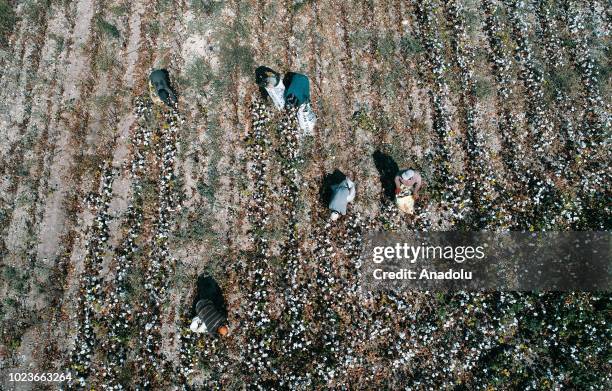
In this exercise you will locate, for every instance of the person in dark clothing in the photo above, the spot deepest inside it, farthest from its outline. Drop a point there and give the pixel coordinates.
(292, 91)
(298, 89)
(266, 77)
(270, 84)
(208, 319)
(209, 308)
(160, 81)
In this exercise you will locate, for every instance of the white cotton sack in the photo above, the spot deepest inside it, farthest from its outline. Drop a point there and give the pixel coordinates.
(202, 328)
(195, 323)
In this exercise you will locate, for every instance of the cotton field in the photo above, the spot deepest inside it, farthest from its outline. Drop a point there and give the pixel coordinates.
(117, 191)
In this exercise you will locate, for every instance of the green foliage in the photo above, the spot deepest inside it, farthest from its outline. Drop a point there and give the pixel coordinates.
(135, 284)
(197, 228)
(106, 60)
(386, 46)
(206, 191)
(59, 42)
(562, 80)
(7, 22)
(9, 273)
(196, 225)
(10, 302)
(299, 4)
(362, 120)
(33, 10)
(205, 7)
(163, 5)
(103, 101)
(152, 27)
(23, 169)
(360, 38)
(17, 281)
(3, 217)
(149, 191)
(483, 88)
(213, 171)
(472, 20)
(120, 10)
(14, 344)
(199, 73)
(107, 28)
(237, 57)
(410, 45)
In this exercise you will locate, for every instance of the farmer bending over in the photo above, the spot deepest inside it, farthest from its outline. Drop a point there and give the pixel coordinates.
(342, 194)
(410, 179)
(210, 314)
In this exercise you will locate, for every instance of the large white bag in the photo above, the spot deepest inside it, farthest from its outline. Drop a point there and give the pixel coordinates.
(306, 119)
(277, 93)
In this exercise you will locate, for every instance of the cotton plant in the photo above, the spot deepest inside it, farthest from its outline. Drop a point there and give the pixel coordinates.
(90, 286)
(119, 312)
(565, 109)
(596, 119)
(538, 121)
(532, 77)
(454, 200)
(527, 204)
(156, 276)
(118, 320)
(592, 147)
(257, 349)
(444, 341)
(480, 176)
(296, 294)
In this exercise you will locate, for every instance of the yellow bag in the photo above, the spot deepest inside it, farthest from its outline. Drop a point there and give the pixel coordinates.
(406, 204)
(405, 200)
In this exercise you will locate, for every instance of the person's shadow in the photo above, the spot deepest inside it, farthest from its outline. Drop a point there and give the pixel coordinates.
(209, 289)
(163, 76)
(325, 192)
(387, 170)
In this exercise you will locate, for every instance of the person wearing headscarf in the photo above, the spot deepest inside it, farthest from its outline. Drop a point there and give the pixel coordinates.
(410, 179)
